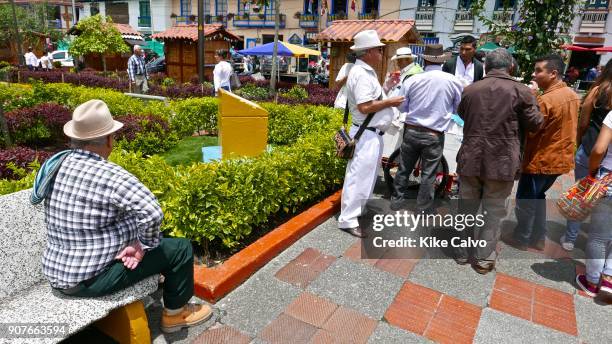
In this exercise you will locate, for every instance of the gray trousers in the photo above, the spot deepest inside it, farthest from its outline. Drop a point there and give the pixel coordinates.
(475, 192)
(424, 145)
(141, 83)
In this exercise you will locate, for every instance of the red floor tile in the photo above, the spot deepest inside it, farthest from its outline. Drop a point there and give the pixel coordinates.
(349, 326)
(455, 321)
(554, 298)
(511, 304)
(413, 308)
(305, 268)
(514, 286)
(554, 318)
(222, 335)
(311, 309)
(322, 337)
(287, 330)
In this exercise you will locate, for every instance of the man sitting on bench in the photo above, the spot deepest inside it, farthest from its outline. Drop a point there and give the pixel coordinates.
(103, 225)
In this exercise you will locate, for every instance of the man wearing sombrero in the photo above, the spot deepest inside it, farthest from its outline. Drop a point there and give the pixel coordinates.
(431, 98)
(103, 224)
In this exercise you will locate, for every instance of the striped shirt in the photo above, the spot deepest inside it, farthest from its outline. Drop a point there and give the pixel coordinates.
(94, 210)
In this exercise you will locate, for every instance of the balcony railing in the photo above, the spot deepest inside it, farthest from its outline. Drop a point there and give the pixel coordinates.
(424, 19)
(186, 19)
(593, 21)
(309, 20)
(55, 23)
(424, 16)
(217, 19)
(144, 21)
(463, 15)
(333, 17)
(372, 15)
(258, 20)
(503, 16)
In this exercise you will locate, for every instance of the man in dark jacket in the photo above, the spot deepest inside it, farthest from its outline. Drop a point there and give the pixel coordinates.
(495, 111)
(465, 66)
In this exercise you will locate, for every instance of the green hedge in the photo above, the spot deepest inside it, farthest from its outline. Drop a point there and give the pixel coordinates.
(14, 96)
(220, 203)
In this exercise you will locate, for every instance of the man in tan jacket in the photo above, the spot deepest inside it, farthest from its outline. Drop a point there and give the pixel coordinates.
(549, 152)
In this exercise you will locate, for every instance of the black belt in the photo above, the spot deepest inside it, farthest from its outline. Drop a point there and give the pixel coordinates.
(420, 128)
(381, 133)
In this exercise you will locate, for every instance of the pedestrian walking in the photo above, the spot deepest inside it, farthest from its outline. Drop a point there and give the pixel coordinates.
(31, 60)
(369, 108)
(596, 105)
(466, 66)
(549, 152)
(430, 99)
(137, 71)
(488, 161)
(222, 72)
(598, 276)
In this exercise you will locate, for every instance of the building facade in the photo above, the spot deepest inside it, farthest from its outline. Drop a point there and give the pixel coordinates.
(302, 20)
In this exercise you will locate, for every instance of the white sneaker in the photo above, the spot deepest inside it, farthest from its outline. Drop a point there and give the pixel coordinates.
(566, 245)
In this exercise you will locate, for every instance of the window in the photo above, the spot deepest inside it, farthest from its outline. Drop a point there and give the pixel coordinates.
(59, 56)
(465, 4)
(500, 4)
(186, 7)
(220, 7)
(427, 4)
(145, 9)
(339, 6)
(95, 8)
(600, 4)
(370, 6)
(311, 6)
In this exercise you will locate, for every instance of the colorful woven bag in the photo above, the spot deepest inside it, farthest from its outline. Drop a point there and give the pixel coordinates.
(578, 202)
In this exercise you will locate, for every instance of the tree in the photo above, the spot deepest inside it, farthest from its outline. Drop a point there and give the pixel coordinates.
(539, 30)
(97, 35)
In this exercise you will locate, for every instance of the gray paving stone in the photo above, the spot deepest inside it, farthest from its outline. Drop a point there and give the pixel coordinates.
(593, 320)
(250, 307)
(498, 327)
(388, 334)
(553, 273)
(460, 281)
(359, 286)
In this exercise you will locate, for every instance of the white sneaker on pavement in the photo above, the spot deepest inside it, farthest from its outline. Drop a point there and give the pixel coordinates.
(566, 245)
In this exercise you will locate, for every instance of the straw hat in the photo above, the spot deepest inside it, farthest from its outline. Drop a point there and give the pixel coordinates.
(403, 53)
(435, 53)
(367, 39)
(91, 120)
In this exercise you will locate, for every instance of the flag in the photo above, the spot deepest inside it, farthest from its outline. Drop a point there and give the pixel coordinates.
(310, 6)
(353, 5)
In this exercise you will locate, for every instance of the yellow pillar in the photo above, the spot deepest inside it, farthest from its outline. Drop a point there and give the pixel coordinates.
(127, 324)
(243, 126)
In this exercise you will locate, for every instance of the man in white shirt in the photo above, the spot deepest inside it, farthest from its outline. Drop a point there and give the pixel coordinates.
(31, 60)
(222, 72)
(341, 79)
(365, 96)
(431, 98)
(465, 66)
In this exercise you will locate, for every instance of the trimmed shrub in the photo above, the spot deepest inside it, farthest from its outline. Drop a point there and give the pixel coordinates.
(146, 134)
(38, 125)
(15, 96)
(20, 157)
(194, 114)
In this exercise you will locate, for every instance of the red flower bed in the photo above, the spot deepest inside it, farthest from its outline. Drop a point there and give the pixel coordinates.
(21, 157)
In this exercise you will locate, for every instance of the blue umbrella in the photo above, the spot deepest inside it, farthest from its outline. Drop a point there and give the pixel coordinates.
(267, 49)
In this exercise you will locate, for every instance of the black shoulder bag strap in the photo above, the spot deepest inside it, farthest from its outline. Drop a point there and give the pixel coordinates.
(365, 123)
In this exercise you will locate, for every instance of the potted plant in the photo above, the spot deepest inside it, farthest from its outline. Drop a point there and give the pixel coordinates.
(245, 15)
(262, 15)
(220, 17)
(207, 18)
(193, 18)
(173, 15)
(297, 15)
(230, 16)
(255, 8)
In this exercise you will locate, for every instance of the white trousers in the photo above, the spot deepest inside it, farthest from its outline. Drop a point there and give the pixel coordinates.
(361, 173)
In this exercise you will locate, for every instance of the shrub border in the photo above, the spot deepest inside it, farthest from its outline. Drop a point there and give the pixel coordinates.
(211, 284)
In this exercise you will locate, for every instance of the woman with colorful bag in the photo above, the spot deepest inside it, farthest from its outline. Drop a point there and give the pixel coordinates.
(594, 109)
(598, 276)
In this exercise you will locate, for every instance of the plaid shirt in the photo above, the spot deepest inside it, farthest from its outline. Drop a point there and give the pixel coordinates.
(136, 66)
(95, 209)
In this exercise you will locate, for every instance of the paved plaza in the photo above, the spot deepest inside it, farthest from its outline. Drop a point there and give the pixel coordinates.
(320, 291)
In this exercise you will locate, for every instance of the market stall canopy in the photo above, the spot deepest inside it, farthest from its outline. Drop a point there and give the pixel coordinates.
(190, 32)
(389, 30)
(284, 49)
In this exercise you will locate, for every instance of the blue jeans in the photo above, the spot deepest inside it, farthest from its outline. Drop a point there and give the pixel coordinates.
(599, 244)
(580, 171)
(531, 207)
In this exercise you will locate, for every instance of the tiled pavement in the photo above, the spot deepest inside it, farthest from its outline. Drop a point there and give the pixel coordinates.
(320, 291)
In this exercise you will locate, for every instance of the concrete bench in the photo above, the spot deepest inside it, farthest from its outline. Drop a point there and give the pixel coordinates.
(27, 297)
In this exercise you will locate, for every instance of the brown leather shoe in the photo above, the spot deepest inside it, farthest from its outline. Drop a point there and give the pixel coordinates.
(191, 315)
(509, 239)
(483, 268)
(539, 245)
(355, 231)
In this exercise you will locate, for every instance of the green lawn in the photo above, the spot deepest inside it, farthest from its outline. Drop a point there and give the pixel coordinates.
(189, 150)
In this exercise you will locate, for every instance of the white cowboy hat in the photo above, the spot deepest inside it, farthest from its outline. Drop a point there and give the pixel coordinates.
(367, 39)
(403, 53)
(91, 120)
